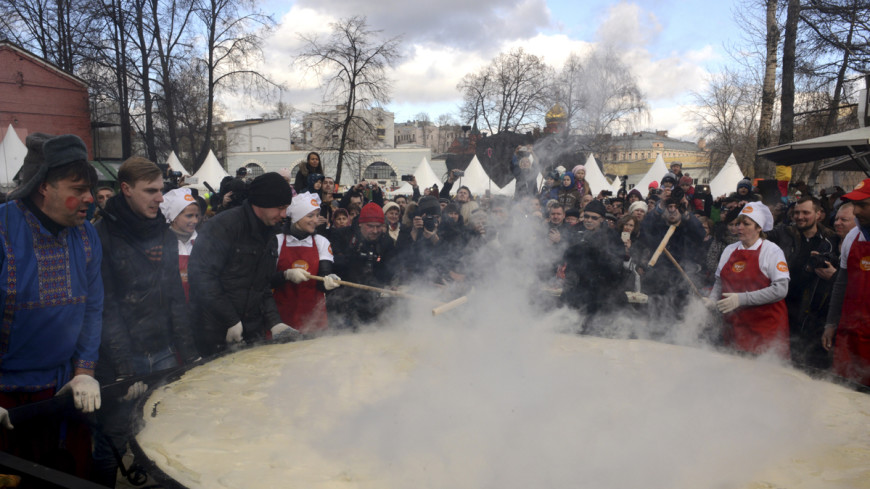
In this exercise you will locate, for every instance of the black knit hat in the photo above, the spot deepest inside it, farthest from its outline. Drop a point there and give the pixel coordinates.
(596, 207)
(44, 152)
(270, 190)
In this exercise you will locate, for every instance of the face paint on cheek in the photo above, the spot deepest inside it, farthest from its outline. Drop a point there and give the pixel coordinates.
(71, 203)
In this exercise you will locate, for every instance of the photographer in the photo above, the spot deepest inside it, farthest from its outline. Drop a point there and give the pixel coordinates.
(810, 250)
(364, 254)
(463, 195)
(423, 250)
(362, 193)
(524, 167)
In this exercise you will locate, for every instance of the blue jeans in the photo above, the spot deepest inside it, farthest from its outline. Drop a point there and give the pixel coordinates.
(116, 421)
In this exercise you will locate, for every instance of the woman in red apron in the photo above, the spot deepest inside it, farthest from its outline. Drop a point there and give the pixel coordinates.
(183, 214)
(302, 253)
(753, 281)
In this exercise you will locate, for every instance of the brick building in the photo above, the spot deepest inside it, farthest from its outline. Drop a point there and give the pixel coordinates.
(36, 96)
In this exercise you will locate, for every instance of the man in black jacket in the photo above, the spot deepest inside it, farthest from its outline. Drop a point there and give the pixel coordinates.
(231, 268)
(364, 254)
(812, 279)
(146, 325)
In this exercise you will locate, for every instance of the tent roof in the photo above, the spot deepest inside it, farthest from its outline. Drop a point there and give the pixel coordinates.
(847, 163)
(12, 153)
(726, 180)
(655, 173)
(425, 176)
(509, 189)
(404, 189)
(211, 171)
(475, 179)
(597, 180)
(830, 146)
(174, 164)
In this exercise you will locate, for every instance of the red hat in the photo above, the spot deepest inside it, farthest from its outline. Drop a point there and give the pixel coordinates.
(861, 192)
(653, 184)
(371, 212)
(686, 179)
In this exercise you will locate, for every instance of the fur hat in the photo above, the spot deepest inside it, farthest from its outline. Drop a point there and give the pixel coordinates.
(44, 152)
(638, 205)
(596, 207)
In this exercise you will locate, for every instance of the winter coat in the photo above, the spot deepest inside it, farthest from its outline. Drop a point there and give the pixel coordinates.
(229, 273)
(301, 182)
(144, 308)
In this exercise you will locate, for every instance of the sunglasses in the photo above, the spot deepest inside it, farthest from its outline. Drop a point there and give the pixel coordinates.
(591, 217)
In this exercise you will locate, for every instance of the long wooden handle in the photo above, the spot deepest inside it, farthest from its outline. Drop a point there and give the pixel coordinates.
(685, 275)
(450, 305)
(655, 257)
(345, 283)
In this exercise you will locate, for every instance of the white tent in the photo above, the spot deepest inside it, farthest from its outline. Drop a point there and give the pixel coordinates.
(656, 172)
(726, 180)
(404, 189)
(175, 165)
(425, 176)
(12, 153)
(475, 179)
(508, 190)
(597, 180)
(211, 171)
(615, 186)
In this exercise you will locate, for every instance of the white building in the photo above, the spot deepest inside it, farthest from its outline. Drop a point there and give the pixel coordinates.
(258, 135)
(375, 130)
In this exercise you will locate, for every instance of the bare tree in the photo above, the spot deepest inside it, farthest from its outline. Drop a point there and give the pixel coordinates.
(353, 61)
(508, 93)
(567, 89)
(608, 98)
(727, 113)
(233, 32)
(768, 89)
(789, 47)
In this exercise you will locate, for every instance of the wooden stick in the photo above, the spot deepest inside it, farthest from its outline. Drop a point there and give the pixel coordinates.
(376, 289)
(655, 257)
(685, 276)
(450, 305)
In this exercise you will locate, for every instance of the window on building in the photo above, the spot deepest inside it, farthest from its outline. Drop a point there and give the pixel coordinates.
(254, 170)
(379, 171)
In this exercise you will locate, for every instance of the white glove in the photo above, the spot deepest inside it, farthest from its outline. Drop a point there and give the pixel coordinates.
(135, 391)
(282, 329)
(296, 275)
(331, 281)
(730, 301)
(85, 391)
(234, 333)
(4, 419)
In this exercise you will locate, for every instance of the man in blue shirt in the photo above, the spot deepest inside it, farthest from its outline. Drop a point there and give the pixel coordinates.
(51, 291)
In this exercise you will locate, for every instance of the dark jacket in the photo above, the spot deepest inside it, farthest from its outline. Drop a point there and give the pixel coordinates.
(686, 246)
(144, 308)
(361, 262)
(230, 269)
(301, 182)
(593, 266)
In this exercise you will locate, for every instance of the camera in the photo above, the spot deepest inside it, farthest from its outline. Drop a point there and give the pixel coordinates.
(458, 173)
(407, 178)
(429, 223)
(173, 175)
(523, 154)
(606, 193)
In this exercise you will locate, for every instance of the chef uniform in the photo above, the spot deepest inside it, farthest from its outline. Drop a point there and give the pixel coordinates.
(303, 305)
(755, 327)
(174, 203)
(852, 341)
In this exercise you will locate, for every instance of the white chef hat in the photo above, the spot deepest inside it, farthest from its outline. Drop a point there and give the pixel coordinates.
(302, 205)
(759, 213)
(174, 202)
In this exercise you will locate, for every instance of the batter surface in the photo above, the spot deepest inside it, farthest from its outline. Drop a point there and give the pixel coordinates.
(456, 409)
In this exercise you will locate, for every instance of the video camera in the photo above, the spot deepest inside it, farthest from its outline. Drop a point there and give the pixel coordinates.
(430, 223)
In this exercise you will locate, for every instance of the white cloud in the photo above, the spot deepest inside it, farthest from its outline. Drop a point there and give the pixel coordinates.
(627, 26)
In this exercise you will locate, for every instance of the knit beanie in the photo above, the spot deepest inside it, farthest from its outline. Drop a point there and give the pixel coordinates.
(685, 180)
(596, 207)
(371, 212)
(745, 183)
(638, 205)
(270, 190)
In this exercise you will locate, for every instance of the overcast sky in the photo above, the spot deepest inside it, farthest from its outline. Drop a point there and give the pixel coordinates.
(671, 45)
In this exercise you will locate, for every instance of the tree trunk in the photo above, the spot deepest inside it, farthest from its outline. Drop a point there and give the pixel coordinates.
(768, 90)
(145, 81)
(786, 120)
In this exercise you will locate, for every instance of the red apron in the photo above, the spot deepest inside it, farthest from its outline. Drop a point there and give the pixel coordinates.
(182, 267)
(852, 344)
(302, 306)
(754, 329)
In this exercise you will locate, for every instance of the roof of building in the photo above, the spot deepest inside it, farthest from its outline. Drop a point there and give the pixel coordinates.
(645, 140)
(42, 61)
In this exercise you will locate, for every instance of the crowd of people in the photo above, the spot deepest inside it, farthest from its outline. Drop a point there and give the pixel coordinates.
(163, 277)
